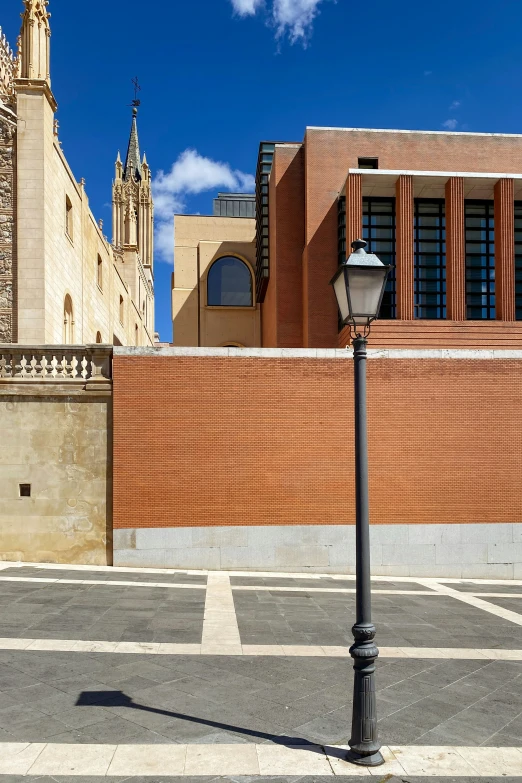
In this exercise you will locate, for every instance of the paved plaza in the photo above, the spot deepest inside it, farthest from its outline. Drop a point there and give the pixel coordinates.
(149, 674)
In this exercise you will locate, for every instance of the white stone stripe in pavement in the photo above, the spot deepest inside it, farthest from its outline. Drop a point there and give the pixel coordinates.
(54, 759)
(473, 600)
(250, 588)
(351, 590)
(427, 581)
(122, 583)
(105, 582)
(264, 574)
(220, 634)
(102, 568)
(227, 644)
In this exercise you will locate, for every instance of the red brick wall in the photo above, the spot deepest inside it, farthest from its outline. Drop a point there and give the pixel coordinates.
(282, 310)
(204, 441)
(424, 333)
(329, 153)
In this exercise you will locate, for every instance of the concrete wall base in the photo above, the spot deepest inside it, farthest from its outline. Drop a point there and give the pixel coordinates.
(479, 551)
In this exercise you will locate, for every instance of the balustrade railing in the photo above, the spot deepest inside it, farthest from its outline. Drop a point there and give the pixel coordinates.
(56, 363)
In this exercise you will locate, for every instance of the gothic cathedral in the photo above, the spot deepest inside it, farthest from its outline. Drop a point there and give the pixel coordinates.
(61, 280)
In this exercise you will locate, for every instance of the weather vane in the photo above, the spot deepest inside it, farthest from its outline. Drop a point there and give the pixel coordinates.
(136, 102)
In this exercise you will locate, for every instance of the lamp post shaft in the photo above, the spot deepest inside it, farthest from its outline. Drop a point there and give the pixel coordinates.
(364, 743)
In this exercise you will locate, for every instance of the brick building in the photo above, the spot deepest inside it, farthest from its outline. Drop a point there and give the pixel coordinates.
(427, 202)
(444, 208)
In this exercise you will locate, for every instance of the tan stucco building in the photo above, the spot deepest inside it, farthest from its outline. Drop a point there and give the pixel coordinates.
(213, 285)
(61, 280)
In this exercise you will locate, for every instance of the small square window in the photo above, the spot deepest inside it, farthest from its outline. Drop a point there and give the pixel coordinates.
(368, 163)
(25, 490)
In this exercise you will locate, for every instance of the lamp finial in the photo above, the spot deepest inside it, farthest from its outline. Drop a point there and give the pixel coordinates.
(358, 245)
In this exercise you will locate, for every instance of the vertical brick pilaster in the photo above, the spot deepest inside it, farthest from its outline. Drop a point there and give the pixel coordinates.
(504, 250)
(455, 251)
(353, 209)
(404, 247)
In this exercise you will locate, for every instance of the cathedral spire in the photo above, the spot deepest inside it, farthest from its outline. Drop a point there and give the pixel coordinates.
(34, 41)
(133, 161)
(132, 205)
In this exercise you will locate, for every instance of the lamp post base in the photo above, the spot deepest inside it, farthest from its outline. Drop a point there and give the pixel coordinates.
(374, 760)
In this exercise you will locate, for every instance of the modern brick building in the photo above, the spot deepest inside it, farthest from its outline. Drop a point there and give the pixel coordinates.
(444, 208)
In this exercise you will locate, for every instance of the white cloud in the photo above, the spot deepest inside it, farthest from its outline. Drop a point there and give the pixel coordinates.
(289, 17)
(455, 105)
(190, 174)
(246, 7)
(450, 124)
(294, 17)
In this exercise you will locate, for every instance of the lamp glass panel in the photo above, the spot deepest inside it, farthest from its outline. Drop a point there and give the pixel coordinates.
(365, 286)
(341, 295)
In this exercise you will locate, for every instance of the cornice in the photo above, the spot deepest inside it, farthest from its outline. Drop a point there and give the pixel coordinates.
(36, 86)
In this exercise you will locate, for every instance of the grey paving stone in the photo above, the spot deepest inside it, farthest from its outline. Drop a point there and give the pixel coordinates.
(472, 726)
(255, 699)
(34, 730)
(503, 739)
(112, 729)
(90, 612)
(283, 617)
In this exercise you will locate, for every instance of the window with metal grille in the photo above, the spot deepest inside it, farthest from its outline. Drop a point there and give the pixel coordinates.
(518, 260)
(430, 258)
(341, 229)
(480, 260)
(379, 233)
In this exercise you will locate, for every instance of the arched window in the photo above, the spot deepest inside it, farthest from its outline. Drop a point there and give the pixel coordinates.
(99, 273)
(68, 321)
(229, 283)
(98, 337)
(136, 335)
(68, 217)
(122, 309)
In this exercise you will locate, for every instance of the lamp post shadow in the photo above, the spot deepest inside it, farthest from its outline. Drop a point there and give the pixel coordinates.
(120, 699)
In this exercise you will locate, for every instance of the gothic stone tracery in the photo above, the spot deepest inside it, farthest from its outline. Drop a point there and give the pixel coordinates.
(6, 228)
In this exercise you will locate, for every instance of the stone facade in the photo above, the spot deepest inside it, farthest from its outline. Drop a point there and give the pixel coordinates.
(200, 241)
(55, 418)
(61, 279)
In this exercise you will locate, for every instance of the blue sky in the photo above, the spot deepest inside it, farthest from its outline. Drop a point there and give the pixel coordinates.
(218, 76)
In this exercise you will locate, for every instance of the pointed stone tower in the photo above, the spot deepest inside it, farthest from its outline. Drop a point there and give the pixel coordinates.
(35, 109)
(132, 206)
(35, 41)
(133, 221)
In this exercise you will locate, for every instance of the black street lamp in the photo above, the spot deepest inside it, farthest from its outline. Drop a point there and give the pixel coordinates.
(359, 286)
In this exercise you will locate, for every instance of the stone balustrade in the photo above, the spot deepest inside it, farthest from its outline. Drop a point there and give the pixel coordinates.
(56, 363)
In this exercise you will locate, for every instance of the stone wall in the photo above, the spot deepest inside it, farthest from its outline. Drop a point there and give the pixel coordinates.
(201, 240)
(56, 436)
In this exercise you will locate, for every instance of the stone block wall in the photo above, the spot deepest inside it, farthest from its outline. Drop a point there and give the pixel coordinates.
(56, 437)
